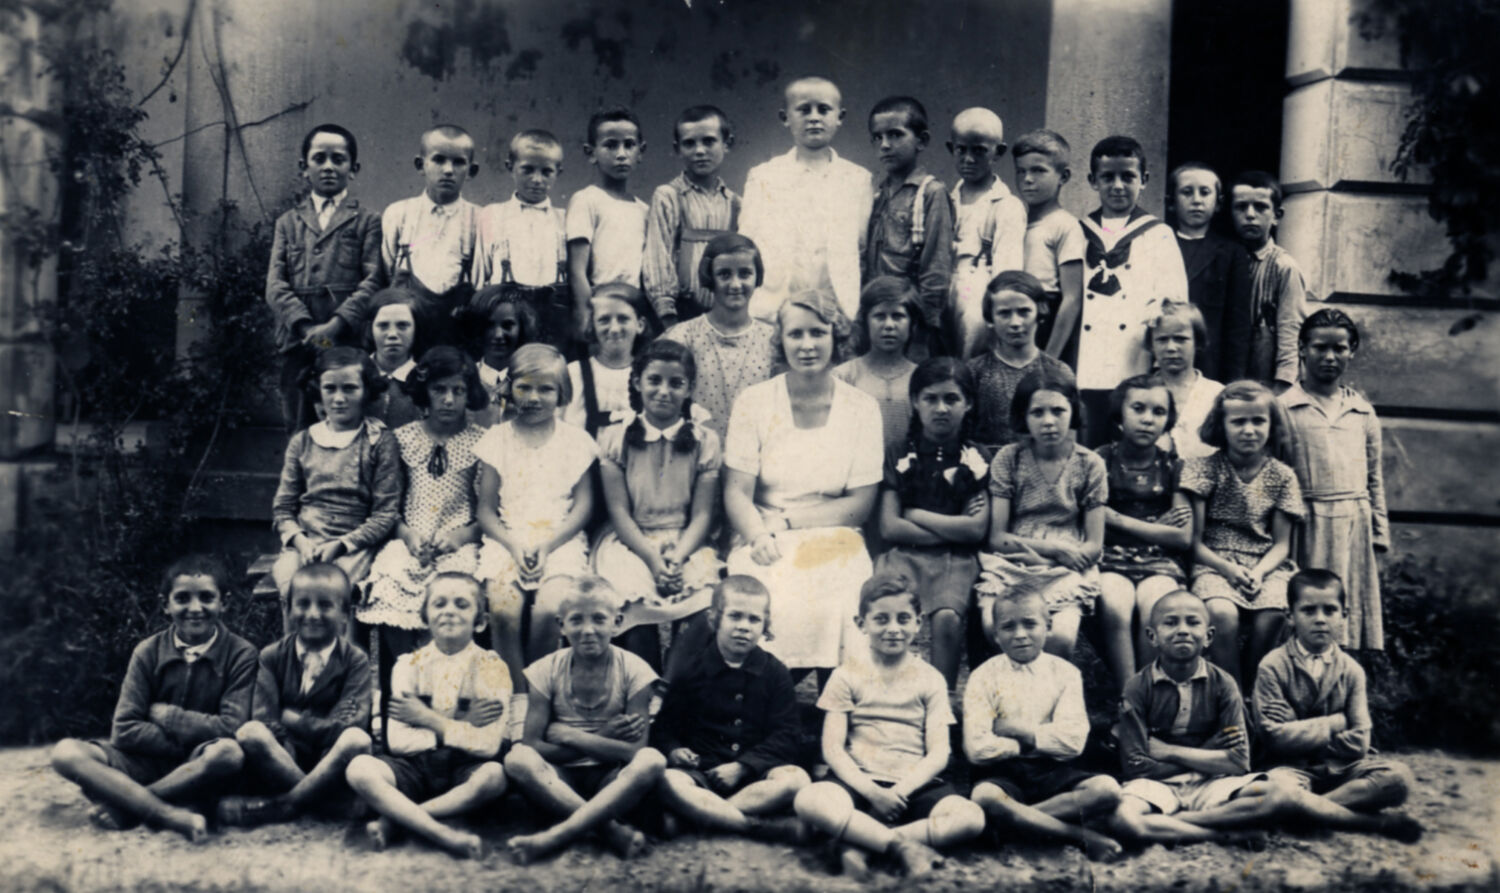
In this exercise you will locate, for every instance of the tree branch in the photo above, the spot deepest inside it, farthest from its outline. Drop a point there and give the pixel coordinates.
(187, 22)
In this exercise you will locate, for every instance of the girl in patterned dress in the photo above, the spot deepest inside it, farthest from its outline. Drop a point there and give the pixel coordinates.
(1148, 522)
(1047, 498)
(661, 483)
(1245, 502)
(437, 531)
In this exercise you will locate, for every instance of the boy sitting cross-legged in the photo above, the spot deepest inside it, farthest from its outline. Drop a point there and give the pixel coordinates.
(885, 736)
(1311, 710)
(729, 725)
(1186, 761)
(1024, 725)
(311, 705)
(586, 724)
(186, 690)
(446, 701)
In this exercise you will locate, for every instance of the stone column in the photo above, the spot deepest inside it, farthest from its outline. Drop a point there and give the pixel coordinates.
(26, 288)
(1108, 72)
(1350, 221)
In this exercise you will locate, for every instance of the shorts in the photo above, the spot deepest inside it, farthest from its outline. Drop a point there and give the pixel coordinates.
(1169, 797)
(425, 775)
(1031, 780)
(587, 781)
(700, 777)
(944, 577)
(1322, 779)
(143, 768)
(918, 806)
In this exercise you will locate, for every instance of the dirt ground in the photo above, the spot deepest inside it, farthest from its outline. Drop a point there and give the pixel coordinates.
(50, 845)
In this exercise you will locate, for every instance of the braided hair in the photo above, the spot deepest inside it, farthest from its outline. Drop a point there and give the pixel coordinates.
(662, 350)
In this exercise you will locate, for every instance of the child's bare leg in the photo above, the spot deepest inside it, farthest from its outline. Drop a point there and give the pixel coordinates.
(636, 778)
(1147, 593)
(829, 808)
(1265, 633)
(1064, 632)
(544, 637)
(953, 820)
(699, 805)
(486, 784)
(220, 759)
(773, 793)
(1116, 611)
(376, 783)
(264, 753)
(1037, 821)
(1265, 800)
(506, 604)
(947, 643)
(329, 770)
(1224, 650)
(1135, 820)
(1386, 785)
(83, 764)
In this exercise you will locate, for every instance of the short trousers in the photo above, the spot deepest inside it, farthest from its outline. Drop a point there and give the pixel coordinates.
(1031, 780)
(1177, 796)
(587, 781)
(945, 577)
(918, 806)
(146, 768)
(1321, 779)
(425, 775)
(700, 776)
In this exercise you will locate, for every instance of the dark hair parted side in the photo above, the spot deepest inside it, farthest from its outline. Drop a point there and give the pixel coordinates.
(337, 358)
(442, 362)
(1044, 378)
(936, 370)
(1329, 318)
(336, 130)
(1117, 146)
(662, 350)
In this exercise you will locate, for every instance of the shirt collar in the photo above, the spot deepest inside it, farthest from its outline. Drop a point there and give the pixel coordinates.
(489, 375)
(1265, 250)
(318, 200)
(325, 652)
(1306, 656)
(437, 210)
(543, 205)
(755, 663)
(191, 653)
(1160, 675)
(996, 192)
(326, 437)
(1029, 668)
(401, 371)
(682, 184)
(791, 156)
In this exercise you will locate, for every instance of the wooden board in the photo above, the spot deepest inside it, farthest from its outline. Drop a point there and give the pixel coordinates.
(1433, 466)
(1407, 357)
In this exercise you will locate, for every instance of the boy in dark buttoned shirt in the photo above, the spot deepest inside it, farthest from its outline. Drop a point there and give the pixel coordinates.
(325, 264)
(186, 691)
(729, 726)
(311, 705)
(911, 225)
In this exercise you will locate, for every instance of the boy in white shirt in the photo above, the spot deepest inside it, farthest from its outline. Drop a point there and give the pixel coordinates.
(606, 224)
(989, 222)
(523, 240)
(807, 210)
(1054, 244)
(445, 730)
(1024, 725)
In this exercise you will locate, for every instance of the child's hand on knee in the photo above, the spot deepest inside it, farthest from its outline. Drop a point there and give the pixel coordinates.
(727, 777)
(329, 550)
(683, 756)
(886, 804)
(305, 547)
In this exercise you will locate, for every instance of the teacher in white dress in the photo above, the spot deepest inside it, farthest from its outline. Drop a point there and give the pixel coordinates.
(802, 463)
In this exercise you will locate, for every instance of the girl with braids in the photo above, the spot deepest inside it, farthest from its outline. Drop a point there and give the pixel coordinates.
(660, 472)
(934, 505)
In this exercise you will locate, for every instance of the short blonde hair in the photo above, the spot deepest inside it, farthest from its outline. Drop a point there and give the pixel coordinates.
(584, 589)
(822, 304)
(541, 359)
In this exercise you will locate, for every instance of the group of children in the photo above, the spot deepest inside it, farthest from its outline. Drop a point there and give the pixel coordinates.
(1059, 455)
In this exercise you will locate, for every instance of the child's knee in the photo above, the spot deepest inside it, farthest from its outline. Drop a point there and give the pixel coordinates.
(69, 754)
(647, 762)
(363, 771)
(353, 740)
(490, 778)
(1395, 782)
(795, 778)
(990, 797)
(1104, 791)
(223, 757)
(955, 818)
(1224, 615)
(254, 737)
(505, 603)
(824, 805)
(524, 764)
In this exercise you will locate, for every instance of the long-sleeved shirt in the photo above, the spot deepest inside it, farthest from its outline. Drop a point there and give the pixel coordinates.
(808, 222)
(1324, 451)
(1278, 301)
(352, 492)
(207, 698)
(318, 272)
(439, 240)
(1153, 708)
(1046, 693)
(533, 237)
(895, 246)
(682, 219)
(745, 714)
(1128, 272)
(1218, 272)
(449, 684)
(338, 699)
(1295, 709)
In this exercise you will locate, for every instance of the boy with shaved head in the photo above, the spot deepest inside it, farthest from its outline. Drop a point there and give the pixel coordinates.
(806, 210)
(989, 227)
